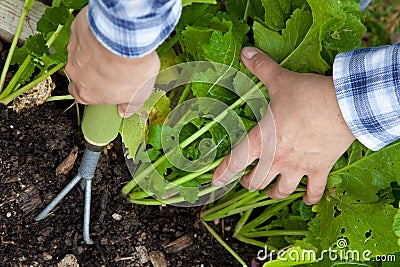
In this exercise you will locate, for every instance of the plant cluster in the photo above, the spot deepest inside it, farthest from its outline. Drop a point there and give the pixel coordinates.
(360, 206)
(204, 103)
(42, 54)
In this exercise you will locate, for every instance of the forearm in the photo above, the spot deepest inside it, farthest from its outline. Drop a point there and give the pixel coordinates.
(133, 28)
(367, 83)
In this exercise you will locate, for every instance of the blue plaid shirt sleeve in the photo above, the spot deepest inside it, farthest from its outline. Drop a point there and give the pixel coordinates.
(367, 83)
(133, 28)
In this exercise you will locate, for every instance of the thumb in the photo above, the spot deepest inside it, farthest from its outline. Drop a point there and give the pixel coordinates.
(261, 65)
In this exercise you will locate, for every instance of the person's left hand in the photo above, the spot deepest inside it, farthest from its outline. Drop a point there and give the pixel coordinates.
(100, 77)
(302, 134)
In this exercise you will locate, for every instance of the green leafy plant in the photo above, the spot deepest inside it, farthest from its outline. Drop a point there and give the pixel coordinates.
(44, 53)
(361, 203)
(303, 36)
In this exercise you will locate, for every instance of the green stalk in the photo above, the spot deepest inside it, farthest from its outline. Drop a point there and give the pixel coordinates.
(184, 94)
(261, 204)
(246, 11)
(11, 85)
(147, 202)
(255, 242)
(242, 221)
(59, 97)
(27, 6)
(173, 200)
(184, 179)
(25, 88)
(169, 45)
(226, 203)
(275, 233)
(222, 213)
(224, 244)
(268, 213)
(131, 184)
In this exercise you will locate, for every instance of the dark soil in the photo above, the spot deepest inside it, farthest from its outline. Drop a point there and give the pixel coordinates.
(32, 145)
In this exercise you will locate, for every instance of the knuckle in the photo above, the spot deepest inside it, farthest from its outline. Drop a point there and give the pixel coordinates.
(284, 190)
(316, 190)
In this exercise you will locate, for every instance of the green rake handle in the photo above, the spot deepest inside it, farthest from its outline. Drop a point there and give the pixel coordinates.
(100, 124)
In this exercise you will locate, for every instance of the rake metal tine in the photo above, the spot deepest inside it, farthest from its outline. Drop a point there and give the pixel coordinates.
(58, 198)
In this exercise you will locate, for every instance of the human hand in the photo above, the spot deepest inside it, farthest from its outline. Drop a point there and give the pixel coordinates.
(303, 133)
(101, 77)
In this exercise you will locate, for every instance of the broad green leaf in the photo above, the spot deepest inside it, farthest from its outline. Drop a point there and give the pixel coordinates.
(276, 13)
(133, 134)
(57, 15)
(190, 191)
(160, 110)
(149, 155)
(189, 2)
(237, 8)
(306, 57)
(220, 42)
(221, 48)
(362, 179)
(60, 54)
(358, 227)
(56, 3)
(75, 4)
(396, 225)
(154, 136)
(192, 40)
(279, 46)
(342, 33)
(197, 14)
(35, 45)
(210, 89)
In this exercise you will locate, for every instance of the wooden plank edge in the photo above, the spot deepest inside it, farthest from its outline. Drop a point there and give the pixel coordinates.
(10, 12)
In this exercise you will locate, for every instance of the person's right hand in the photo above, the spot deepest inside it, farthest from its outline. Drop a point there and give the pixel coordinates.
(100, 77)
(302, 134)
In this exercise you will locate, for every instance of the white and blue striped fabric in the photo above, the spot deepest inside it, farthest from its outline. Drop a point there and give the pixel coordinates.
(367, 83)
(133, 28)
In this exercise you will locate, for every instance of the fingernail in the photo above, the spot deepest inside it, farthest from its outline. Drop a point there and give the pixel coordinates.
(218, 183)
(249, 52)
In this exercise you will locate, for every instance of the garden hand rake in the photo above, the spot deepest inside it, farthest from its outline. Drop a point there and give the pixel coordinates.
(100, 125)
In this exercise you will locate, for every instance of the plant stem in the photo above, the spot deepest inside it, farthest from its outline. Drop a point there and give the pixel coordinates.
(131, 184)
(173, 200)
(11, 85)
(246, 11)
(59, 97)
(27, 6)
(255, 242)
(25, 88)
(268, 213)
(177, 182)
(261, 204)
(169, 45)
(242, 221)
(275, 233)
(224, 244)
(226, 203)
(222, 213)
(184, 94)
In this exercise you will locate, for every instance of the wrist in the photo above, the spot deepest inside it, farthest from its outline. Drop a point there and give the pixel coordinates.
(336, 114)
